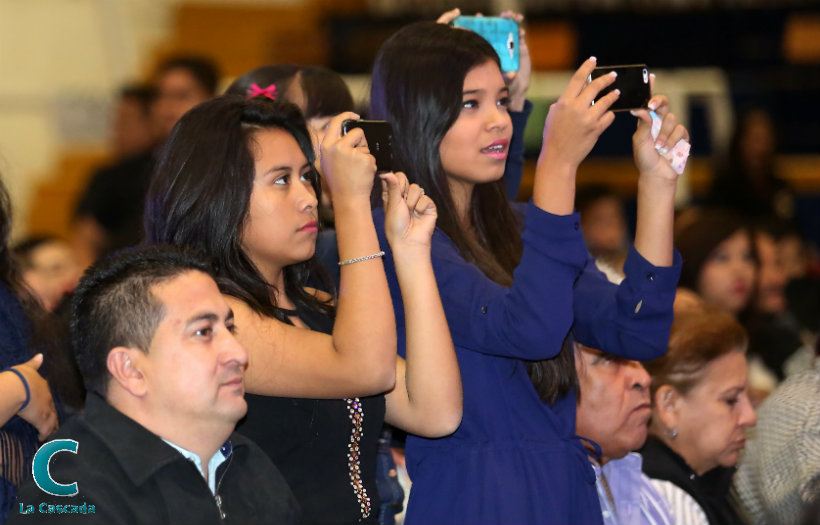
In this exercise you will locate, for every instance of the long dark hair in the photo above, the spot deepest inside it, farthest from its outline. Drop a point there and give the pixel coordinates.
(47, 332)
(417, 84)
(325, 91)
(201, 188)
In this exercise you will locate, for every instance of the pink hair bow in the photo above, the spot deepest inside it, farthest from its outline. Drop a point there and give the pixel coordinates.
(256, 91)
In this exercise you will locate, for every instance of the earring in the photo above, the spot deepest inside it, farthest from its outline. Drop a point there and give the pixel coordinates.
(671, 434)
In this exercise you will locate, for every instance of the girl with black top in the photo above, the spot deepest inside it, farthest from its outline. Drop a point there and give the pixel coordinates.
(236, 178)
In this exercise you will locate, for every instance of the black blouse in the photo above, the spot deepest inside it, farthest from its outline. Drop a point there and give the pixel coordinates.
(325, 448)
(711, 490)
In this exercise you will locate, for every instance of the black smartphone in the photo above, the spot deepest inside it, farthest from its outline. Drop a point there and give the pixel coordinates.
(632, 80)
(379, 135)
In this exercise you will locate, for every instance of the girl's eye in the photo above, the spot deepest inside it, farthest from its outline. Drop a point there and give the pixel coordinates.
(203, 332)
(720, 257)
(307, 176)
(732, 401)
(505, 102)
(469, 104)
(281, 180)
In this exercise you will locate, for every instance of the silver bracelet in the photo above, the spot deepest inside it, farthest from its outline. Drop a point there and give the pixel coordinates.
(360, 259)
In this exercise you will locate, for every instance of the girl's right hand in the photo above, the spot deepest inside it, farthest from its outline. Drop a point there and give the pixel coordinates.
(40, 411)
(409, 214)
(346, 162)
(573, 124)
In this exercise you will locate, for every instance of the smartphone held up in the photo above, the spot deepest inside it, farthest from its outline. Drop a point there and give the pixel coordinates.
(379, 136)
(632, 81)
(500, 32)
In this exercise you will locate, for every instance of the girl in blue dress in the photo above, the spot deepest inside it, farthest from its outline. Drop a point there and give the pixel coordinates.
(512, 288)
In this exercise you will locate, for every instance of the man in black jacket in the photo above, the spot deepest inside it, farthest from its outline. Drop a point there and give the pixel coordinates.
(154, 342)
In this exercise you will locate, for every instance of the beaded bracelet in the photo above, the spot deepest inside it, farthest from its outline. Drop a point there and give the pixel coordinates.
(25, 385)
(360, 259)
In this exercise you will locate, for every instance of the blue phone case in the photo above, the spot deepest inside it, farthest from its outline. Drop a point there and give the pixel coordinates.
(502, 33)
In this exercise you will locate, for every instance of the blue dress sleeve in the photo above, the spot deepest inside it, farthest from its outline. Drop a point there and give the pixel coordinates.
(632, 319)
(514, 169)
(530, 319)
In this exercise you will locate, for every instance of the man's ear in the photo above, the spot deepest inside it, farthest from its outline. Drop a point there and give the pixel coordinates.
(666, 403)
(123, 365)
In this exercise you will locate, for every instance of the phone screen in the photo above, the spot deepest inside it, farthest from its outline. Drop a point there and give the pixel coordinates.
(379, 135)
(632, 80)
(501, 33)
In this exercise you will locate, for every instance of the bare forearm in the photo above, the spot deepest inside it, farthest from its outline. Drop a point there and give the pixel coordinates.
(655, 221)
(365, 324)
(432, 380)
(554, 187)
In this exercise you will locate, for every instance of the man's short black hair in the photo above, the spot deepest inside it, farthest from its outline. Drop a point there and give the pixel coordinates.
(113, 304)
(204, 70)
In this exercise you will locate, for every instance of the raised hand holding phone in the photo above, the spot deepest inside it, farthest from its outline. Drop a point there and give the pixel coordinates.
(347, 165)
(633, 83)
(379, 137)
(500, 32)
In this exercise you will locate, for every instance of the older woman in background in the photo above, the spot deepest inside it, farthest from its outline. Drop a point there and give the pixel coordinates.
(700, 412)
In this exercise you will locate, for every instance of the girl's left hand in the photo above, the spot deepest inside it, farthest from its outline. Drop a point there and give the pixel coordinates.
(646, 150)
(409, 215)
(518, 82)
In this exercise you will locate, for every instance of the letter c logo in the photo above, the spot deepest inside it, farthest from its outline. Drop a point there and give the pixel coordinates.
(42, 476)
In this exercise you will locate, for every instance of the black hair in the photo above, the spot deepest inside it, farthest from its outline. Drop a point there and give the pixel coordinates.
(698, 231)
(143, 95)
(586, 196)
(113, 304)
(46, 333)
(201, 188)
(417, 85)
(202, 69)
(326, 92)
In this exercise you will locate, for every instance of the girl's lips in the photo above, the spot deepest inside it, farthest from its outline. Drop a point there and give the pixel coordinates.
(312, 226)
(497, 150)
(740, 288)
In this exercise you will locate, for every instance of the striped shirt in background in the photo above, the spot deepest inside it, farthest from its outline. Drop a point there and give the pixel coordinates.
(685, 510)
(636, 500)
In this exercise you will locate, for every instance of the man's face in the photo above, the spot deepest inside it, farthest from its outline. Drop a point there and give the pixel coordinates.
(194, 368)
(178, 91)
(615, 406)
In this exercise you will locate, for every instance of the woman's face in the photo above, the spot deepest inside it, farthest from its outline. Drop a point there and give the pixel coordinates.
(727, 276)
(474, 150)
(281, 226)
(714, 414)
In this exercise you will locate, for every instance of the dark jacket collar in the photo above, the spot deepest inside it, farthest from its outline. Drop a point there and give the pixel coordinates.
(711, 490)
(140, 452)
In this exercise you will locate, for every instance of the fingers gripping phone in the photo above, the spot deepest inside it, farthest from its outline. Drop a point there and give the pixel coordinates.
(632, 80)
(379, 135)
(501, 33)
